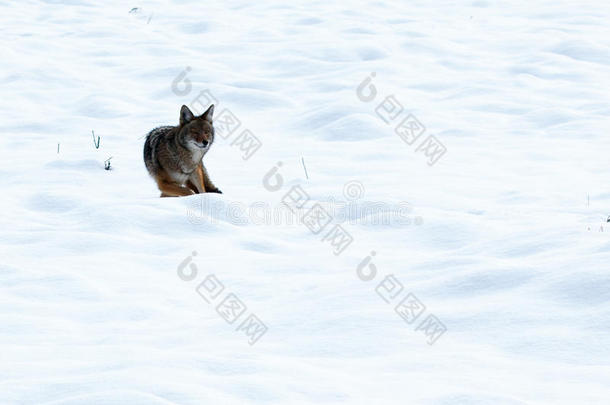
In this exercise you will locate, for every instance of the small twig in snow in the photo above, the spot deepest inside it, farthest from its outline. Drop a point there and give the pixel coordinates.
(304, 168)
(97, 144)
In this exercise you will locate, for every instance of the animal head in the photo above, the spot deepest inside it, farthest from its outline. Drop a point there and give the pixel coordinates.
(196, 133)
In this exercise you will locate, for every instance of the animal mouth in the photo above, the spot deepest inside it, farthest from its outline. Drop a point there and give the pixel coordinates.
(200, 145)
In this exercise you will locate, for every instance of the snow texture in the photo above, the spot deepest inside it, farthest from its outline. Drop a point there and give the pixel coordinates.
(503, 237)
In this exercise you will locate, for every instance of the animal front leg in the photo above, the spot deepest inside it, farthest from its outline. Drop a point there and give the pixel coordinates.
(195, 181)
(209, 186)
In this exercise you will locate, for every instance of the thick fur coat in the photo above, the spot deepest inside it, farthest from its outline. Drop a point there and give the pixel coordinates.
(173, 155)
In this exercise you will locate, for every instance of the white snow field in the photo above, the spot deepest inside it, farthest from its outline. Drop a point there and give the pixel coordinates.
(490, 282)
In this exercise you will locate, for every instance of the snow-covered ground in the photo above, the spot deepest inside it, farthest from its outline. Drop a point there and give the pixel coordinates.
(503, 239)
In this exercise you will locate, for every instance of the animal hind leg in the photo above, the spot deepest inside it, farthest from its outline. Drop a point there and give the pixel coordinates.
(173, 190)
(191, 186)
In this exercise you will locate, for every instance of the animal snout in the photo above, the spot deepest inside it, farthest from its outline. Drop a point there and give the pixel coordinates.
(204, 143)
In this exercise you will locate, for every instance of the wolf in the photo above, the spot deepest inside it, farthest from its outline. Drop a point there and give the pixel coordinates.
(173, 155)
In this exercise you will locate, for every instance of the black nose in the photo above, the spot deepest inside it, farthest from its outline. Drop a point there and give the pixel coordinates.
(204, 143)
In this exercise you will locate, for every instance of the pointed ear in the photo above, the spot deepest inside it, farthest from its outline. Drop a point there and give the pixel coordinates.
(207, 115)
(185, 115)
